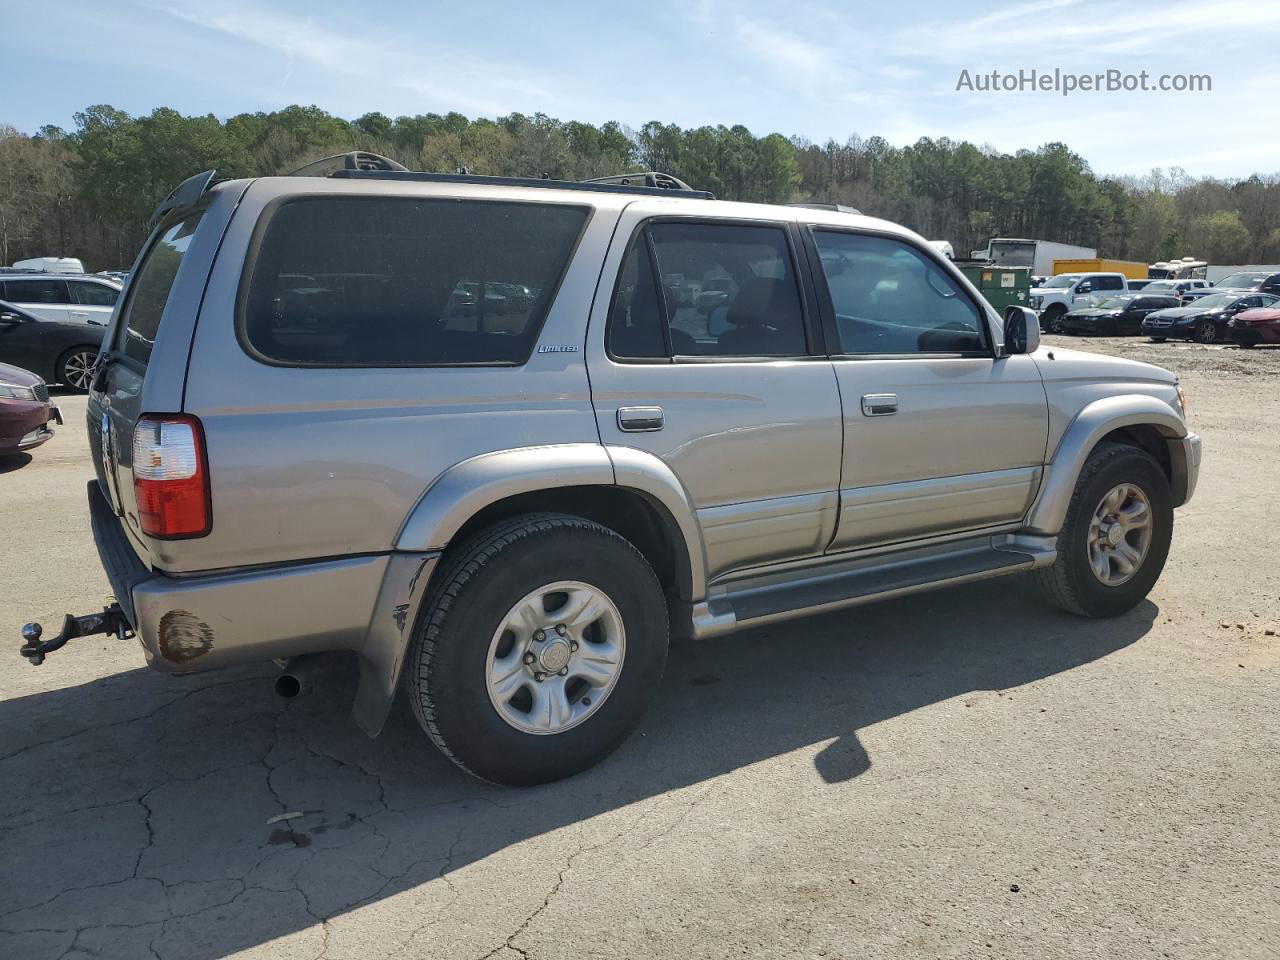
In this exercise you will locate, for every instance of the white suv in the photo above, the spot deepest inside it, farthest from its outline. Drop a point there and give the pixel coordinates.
(1059, 294)
(58, 297)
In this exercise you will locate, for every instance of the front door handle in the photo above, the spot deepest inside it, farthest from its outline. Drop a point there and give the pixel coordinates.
(640, 419)
(879, 404)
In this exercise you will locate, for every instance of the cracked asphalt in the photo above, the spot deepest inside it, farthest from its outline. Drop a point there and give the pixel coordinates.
(960, 774)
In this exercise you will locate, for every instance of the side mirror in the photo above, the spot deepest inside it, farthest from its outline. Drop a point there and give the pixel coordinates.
(1021, 331)
(1085, 288)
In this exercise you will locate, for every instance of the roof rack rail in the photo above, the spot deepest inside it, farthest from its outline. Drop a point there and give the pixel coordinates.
(650, 178)
(647, 184)
(834, 207)
(355, 160)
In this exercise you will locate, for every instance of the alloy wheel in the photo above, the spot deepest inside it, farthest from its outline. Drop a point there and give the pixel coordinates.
(1120, 534)
(77, 369)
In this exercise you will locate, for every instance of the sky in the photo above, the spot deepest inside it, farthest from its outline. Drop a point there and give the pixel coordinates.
(815, 69)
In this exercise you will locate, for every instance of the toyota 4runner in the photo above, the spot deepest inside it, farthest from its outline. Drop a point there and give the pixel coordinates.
(495, 437)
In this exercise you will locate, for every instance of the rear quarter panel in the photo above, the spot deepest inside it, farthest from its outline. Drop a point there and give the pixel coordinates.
(307, 463)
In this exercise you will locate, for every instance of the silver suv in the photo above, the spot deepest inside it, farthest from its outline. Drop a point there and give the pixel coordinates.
(500, 437)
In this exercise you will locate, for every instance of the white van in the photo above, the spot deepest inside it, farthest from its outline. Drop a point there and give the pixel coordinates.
(51, 265)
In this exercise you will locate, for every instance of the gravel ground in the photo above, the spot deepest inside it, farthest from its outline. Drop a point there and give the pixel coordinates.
(961, 774)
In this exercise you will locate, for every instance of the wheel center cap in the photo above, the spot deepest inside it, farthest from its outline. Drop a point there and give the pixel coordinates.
(1115, 533)
(554, 655)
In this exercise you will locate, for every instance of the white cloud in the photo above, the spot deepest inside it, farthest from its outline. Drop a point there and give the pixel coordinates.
(463, 81)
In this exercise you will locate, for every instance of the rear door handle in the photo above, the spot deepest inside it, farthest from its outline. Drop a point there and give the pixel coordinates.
(879, 404)
(640, 419)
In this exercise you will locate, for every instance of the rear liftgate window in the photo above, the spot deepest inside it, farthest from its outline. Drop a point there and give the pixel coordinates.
(357, 281)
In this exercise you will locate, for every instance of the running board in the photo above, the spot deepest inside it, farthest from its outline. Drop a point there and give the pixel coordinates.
(839, 583)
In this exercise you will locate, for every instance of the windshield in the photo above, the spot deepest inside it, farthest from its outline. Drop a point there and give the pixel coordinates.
(1117, 303)
(1216, 300)
(1066, 280)
(1160, 285)
(1242, 280)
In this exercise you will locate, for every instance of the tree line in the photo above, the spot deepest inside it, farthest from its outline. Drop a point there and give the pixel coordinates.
(88, 192)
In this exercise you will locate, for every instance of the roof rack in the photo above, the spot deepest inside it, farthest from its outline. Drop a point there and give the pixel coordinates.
(369, 166)
(834, 207)
(355, 160)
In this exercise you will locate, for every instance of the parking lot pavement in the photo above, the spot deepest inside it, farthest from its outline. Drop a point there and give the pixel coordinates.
(959, 774)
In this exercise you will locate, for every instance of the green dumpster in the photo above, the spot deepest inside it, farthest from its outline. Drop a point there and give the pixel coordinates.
(1002, 286)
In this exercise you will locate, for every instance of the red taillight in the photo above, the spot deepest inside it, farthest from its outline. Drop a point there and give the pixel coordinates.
(171, 477)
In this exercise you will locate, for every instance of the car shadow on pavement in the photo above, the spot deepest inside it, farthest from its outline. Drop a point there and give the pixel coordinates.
(13, 461)
(143, 813)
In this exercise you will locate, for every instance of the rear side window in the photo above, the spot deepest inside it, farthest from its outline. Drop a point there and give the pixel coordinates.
(37, 291)
(151, 287)
(90, 294)
(360, 281)
(707, 290)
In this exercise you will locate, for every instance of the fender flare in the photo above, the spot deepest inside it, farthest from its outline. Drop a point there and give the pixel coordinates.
(468, 487)
(1094, 422)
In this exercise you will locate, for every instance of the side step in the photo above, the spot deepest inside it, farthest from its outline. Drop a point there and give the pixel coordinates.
(845, 582)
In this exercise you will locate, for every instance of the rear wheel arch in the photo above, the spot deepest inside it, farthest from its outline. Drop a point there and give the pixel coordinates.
(635, 516)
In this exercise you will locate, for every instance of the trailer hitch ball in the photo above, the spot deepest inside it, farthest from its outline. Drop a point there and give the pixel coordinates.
(111, 621)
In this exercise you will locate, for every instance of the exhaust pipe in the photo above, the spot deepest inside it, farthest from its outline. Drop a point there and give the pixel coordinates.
(298, 676)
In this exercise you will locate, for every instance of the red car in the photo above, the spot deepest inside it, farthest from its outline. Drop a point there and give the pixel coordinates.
(1252, 327)
(25, 410)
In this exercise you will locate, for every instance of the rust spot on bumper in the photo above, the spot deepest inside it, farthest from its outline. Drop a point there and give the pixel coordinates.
(184, 637)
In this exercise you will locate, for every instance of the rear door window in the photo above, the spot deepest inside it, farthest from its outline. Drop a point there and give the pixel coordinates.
(707, 290)
(150, 290)
(89, 294)
(361, 281)
(37, 291)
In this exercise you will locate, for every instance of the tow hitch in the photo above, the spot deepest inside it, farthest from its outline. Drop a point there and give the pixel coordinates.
(110, 620)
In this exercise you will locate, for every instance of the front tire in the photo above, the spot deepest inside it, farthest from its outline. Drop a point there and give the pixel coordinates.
(1207, 332)
(540, 649)
(1116, 536)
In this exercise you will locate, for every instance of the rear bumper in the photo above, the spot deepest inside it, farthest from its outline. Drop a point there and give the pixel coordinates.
(363, 604)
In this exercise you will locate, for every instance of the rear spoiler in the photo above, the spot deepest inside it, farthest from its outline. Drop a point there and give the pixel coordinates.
(185, 195)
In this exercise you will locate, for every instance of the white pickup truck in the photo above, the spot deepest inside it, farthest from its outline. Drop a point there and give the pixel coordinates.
(1057, 295)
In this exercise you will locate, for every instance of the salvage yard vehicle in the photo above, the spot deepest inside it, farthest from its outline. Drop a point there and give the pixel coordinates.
(1115, 316)
(60, 351)
(1264, 282)
(25, 410)
(1058, 295)
(504, 518)
(1204, 320)
(1254, 326)
(78, 299)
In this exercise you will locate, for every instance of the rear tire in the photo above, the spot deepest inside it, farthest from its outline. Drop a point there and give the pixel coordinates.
(1074, 581)
(74, 368)
(474, 667)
